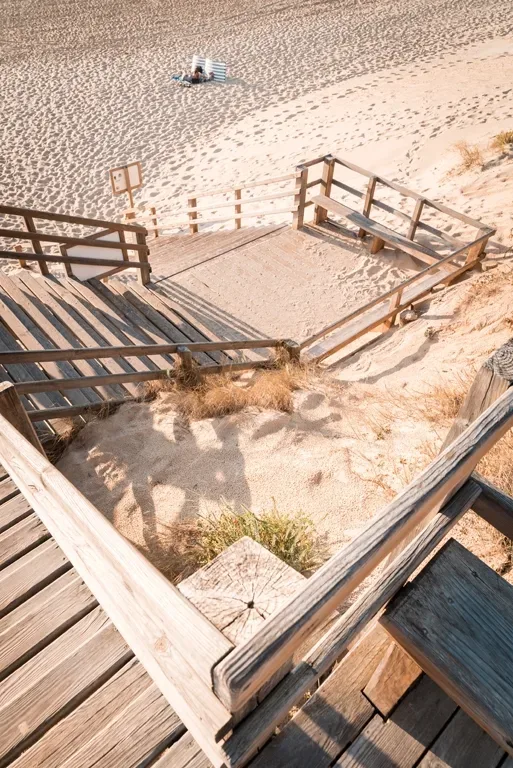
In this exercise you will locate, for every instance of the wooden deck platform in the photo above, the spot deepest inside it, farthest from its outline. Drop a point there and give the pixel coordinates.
(72, 694)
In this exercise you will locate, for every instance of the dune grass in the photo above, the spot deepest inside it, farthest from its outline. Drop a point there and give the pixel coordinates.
(470, 156)
(503, 141)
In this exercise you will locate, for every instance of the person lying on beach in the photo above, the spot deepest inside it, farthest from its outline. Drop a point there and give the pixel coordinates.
(197, 76)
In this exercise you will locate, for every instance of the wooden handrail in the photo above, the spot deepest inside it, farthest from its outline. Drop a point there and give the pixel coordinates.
(361, 310)
(62, 217)
(96, 353)
(175, 643)
(260, 724)
(53, 385)
(251, 185)
(241, 201)
(247, 667)
(20, 234)
(216, 220)
(53, 258)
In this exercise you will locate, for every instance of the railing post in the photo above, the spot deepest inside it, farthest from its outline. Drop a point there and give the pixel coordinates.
(153, 212)
(193, 215)
(11, 408)
(369, 197)
(144, 273)
(414, 221)
(238, 209)
(293, 350)
(31, 227)
(476, 250)
(328, 169)
(300, 197)
(395, 301)
(23, 262)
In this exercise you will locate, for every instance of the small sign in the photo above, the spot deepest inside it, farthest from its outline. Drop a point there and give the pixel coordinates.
(126, 178)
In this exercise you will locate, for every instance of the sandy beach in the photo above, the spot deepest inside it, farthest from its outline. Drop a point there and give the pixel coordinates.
(87, 86)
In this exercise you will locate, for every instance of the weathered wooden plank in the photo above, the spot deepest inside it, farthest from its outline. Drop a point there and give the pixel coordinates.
(379, 231)
(8, 489)
(100, 315)
(238, 591)
(401, 740)
(259, 725)
(12, 511)
(22, 326)
(494, 506)
(79, 334)
(176, 644)
(146, 306)
(20, 538)
(184, 754)
(26, 372)
(40, 619)
(461, 744)
(50, 326)
(49, 684)
(244, 670)
(395, 673)
(333, 716)
(86, 723)
(189, 331)
(63, 217)
(30, 573)
(455, 620)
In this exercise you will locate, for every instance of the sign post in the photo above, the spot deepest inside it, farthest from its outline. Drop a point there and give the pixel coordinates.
(126, 178)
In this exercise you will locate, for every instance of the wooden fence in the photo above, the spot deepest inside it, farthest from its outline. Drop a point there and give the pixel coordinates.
(204, 202)
(135, 254)
(198, 670)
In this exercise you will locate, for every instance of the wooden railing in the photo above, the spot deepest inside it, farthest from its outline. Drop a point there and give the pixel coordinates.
(183, 352)
(443, 267)
(135, 254)
(201, 674)
(199, 203)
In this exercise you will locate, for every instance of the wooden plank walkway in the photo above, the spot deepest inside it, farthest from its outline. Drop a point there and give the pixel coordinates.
(72, 695)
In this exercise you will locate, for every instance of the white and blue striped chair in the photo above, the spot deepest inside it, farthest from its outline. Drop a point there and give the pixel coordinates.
(208, 66)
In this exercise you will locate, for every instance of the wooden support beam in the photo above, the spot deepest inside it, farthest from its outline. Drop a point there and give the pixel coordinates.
(23, 263)
(145, 271)
(293, 350)
(367, 205)
(328, 169)
(377, 245)
(395, 302)
(300, 197)
(193, 227)
(238, 209)
(11, 408)
(414, 222)
(243, 671)
(36, 243)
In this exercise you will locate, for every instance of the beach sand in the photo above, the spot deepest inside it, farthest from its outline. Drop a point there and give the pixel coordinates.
(391, 86)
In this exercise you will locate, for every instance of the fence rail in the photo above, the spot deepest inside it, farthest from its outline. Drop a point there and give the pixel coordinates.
(36, 238)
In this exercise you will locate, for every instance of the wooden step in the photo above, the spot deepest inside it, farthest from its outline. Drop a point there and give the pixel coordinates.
(454, 619)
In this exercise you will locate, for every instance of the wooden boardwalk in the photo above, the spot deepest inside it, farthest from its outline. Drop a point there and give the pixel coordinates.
(72, 694)
(44, 313)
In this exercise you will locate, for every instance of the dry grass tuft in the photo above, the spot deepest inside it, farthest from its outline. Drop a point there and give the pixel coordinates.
(291, 536)
(218, 395)
(503, 141)
(470, 157)
(68, 430)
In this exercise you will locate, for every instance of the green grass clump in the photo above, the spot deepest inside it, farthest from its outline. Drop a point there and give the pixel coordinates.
(290, 536)
(503, 141)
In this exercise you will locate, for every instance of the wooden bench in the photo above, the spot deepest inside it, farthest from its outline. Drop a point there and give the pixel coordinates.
(380, 233)
(455, 620)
